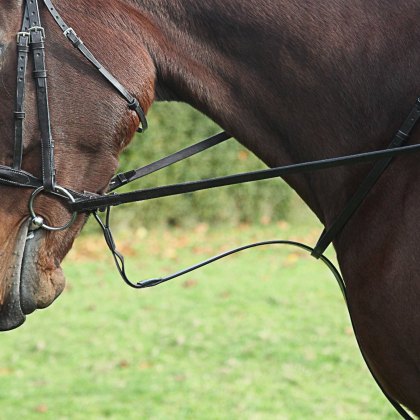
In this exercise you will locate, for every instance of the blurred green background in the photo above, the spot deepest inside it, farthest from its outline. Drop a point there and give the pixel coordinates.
(172, 127)
(262, 335)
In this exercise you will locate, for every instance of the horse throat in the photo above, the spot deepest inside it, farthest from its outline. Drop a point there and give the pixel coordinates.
(275, 85)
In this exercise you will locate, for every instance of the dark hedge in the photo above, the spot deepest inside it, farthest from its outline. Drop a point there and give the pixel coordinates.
(172, 127)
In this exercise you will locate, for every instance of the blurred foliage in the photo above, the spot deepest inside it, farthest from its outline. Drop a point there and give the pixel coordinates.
(174, 126)
(260, 336)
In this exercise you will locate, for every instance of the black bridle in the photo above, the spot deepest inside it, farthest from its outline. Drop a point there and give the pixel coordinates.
(32, 38)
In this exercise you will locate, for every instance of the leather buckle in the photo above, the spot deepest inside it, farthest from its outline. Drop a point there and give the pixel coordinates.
(22, 35)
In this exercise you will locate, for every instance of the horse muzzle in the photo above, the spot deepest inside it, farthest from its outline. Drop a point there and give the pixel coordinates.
(31, 280)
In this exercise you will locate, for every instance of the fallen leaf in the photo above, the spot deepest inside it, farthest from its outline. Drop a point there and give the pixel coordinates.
(42, 408)
(190, 283)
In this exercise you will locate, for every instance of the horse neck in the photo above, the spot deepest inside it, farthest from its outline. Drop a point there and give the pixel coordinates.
(275, 84)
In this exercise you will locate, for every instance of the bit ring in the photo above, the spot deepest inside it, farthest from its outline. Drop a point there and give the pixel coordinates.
(38, 222)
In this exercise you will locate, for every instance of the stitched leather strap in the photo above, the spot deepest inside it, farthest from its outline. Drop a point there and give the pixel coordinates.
(18, 178)
(32, 36)
(130, 176)
(40, 75)
(22, 62)
(37, 44)
(71, 35)
(91, 204)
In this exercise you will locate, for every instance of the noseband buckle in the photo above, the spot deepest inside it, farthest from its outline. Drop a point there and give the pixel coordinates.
(38, 221)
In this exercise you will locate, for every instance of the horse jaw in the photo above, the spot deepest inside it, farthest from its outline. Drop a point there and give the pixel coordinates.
(32, 279)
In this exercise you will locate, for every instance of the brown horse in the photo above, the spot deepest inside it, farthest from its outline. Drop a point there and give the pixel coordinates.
(293, 81)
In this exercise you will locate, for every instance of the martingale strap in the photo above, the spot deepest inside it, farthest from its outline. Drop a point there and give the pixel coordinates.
(152, 282)
(396, 148)
(89, 204)
(368, 183)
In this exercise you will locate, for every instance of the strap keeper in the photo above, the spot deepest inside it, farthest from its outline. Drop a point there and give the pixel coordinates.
(23, 48)
(38, 29)
(134, 105)
(19, 115)
(40, 74)
(321, 245)
(40, 45)
(118, 181)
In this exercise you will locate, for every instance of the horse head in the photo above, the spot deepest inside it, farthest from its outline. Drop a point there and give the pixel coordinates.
(90, 125)
(290, 80)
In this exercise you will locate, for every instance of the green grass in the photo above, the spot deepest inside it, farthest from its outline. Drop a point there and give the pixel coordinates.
(263, 335)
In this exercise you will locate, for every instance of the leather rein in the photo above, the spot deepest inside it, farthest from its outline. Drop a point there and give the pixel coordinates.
(31, 38)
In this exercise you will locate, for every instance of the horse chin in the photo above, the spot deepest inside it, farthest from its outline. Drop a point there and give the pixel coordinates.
(34, 282)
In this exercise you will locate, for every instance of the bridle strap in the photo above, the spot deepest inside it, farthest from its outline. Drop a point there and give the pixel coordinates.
(32, 21)
(32, 37)
(19, 115)
(124, 178)
(40, 76)
(71, 35)
(90, 204)
(18, 178)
